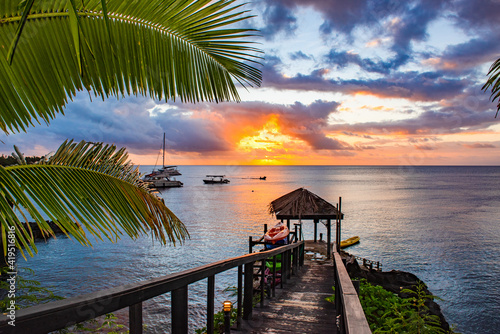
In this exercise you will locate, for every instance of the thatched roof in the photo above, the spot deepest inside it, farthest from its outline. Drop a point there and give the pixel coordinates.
(302, 204)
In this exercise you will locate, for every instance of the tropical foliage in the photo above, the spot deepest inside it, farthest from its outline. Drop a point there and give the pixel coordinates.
(494, 83)
(388, 313)
(84, 188)
(165, 49)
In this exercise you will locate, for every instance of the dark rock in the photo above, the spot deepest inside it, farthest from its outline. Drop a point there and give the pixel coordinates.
(394, 281)
(37, 233)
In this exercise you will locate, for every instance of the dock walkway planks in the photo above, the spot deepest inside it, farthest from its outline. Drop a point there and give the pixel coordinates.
(300, 307)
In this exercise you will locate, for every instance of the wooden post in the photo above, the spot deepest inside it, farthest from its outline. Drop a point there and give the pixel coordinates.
(265, 228)
(283, 268)
(274, 276)
(289, 262)
(240, 297)
(302, 255)
(248, 292)
(210, 304)
(316, 229)
(329, 238)
(288, 224)
(135, 318)
(337, 239)
(180, 310)
(262, 282)
(296, 260)
(250, 245)
(339, 215)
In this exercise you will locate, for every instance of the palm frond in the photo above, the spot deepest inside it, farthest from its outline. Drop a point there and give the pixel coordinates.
(165, 49)
(84, 185)
(494, 83)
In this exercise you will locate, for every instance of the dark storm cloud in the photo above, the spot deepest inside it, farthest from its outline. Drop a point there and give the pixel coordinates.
(403, 22)
(412, 26)
(278, 18)
(448, 120)
(186, 134)
(309, 123)
(125, 123)
(343, 58)
(427, 86)
(464, 57)
(477, 13)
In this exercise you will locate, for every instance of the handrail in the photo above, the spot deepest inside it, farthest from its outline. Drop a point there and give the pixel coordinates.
(350, 314)
(56, 315)
(369, 263)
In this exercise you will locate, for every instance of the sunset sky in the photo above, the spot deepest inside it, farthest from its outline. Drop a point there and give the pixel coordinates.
(355, 82)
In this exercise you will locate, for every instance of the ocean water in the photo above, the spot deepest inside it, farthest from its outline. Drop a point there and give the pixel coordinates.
(440, 223)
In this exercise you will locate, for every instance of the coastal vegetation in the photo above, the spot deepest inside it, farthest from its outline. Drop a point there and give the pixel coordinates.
(176, 49)
(386, 312)
(493, 83)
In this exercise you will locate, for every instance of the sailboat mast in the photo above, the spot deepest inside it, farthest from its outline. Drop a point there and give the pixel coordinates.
(163, 149)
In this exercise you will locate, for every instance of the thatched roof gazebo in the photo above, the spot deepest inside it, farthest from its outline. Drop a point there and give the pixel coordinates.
(301, 204)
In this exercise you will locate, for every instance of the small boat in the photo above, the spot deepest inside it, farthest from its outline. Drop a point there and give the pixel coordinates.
(276, 236)
(349, 242)
(262, 178)
(155, 181)
(215, 179)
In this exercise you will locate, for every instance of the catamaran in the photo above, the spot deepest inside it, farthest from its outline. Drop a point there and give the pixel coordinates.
(161, 178)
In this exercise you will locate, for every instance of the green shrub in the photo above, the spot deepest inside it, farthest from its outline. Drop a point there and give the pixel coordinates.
(388, 313)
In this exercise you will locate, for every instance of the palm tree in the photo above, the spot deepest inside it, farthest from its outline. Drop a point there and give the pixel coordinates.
(84, 187)
(49, 50)
(494, 83)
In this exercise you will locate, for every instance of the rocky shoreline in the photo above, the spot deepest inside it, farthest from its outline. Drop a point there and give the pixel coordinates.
(393, 281)
(37, 233)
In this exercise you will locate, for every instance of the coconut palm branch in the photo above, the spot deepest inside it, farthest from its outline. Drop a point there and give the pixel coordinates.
(494, 83)
(166, 49)
(85, 188)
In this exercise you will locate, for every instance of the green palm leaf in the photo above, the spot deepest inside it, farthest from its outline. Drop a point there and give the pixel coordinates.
(166, 49)
(494, 83)
(84, 185)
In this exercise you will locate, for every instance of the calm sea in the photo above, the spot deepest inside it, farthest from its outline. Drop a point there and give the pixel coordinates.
(440, 223)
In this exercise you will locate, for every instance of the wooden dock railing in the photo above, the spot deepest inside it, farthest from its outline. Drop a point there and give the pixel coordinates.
(350, 316)
(57, 315)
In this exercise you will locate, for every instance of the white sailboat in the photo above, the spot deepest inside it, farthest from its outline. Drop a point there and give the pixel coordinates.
(162, 178)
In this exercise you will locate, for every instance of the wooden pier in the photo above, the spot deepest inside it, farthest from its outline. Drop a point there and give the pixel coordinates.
(300, 307)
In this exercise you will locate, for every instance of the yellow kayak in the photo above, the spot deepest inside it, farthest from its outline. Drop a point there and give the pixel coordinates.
(349, 242)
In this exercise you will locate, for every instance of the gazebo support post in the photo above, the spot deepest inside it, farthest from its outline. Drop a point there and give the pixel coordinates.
(328, 238)
(288, 224)
(316, 230)
(339, 225)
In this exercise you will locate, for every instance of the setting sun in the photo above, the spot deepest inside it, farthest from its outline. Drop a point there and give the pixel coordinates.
(269, 138)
